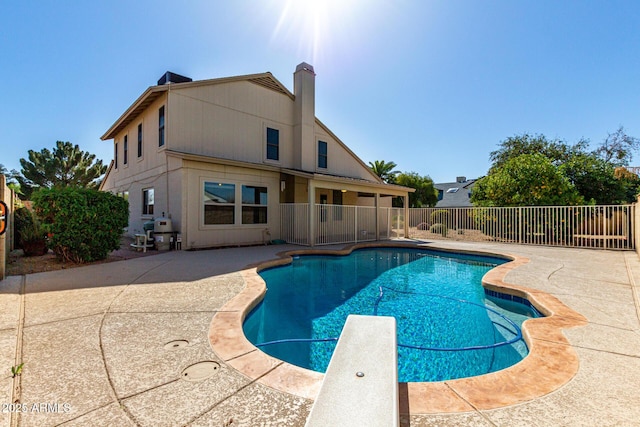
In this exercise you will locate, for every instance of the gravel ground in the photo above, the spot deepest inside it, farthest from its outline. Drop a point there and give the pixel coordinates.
(18, 264)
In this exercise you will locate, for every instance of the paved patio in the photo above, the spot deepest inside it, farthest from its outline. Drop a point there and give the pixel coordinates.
(93, 341)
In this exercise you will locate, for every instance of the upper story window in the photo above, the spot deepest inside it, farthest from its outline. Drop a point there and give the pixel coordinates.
(125, 148)
(147, 201)
(322, 154)
(273, 144)
(115, 155)
(161, 127)
(140, 140)
(440, 194)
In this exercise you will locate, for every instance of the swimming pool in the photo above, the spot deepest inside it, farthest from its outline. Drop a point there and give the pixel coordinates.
(437, 298)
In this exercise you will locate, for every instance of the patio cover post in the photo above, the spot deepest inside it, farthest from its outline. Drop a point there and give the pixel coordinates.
(406, 216)
(377, 216)
(312, 213)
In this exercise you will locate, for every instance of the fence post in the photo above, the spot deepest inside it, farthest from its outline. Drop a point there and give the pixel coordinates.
(520, 225)
(7, 224)
(355, 231)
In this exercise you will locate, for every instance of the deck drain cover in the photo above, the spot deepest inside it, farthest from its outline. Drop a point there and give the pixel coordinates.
(174, 345)
(200, 371)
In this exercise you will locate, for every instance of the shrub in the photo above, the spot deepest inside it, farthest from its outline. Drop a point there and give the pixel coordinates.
(439, 229)
(440, 216)
(422, 226)
(84, 224)
(23, 219)
(31, 236)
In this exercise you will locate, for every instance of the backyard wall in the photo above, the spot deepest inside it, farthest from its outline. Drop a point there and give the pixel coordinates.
(6, 240)
(636, 227)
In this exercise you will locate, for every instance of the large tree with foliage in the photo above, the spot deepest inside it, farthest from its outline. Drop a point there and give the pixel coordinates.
(384, 170)
(525, 180)
(590, 172)
(425, 195)
(557, 151)
(65, 166)
(618, 148)
(9, 176)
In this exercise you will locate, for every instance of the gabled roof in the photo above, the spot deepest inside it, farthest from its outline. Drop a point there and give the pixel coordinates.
(455, 194)
(154, 92)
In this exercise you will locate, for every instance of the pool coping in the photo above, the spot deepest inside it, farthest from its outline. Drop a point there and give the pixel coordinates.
(551, 362)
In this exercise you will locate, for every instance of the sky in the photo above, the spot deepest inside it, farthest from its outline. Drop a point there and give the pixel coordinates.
(433, 86)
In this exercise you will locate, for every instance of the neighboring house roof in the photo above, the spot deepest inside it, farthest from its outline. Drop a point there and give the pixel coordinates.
(455, 194)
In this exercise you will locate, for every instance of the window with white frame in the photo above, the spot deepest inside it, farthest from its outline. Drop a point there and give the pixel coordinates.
(229, 204)
(148, 201)
(254, 204)
(219, 203)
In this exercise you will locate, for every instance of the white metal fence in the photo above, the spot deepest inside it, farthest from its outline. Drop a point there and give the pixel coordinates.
(334, 224)
(607, 227)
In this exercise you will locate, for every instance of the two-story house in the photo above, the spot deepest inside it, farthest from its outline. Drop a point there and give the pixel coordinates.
(219, 157)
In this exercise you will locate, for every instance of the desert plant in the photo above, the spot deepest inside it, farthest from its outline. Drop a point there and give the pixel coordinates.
(84, 224)
(439, 229)
(440, 216)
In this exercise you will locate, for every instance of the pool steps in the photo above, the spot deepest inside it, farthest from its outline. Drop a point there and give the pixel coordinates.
(360, 387)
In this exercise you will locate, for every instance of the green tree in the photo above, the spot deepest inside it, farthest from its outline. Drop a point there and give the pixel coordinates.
(525, 180)
(618, 148)
(590, 172)
(65, 166)
(425, 195)
(557, 151)
(384, 170)
(595, 179)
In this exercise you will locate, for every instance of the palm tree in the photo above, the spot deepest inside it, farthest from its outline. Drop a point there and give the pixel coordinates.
(384, 170)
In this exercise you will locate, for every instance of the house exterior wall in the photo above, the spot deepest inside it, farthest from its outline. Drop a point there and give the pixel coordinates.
(229, 121)
(197, 234)
(140, 173)
(216, 131)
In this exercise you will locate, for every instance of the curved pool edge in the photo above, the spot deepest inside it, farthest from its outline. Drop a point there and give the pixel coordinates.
(551, 362)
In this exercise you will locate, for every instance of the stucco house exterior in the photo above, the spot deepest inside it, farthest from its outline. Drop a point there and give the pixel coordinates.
(220, 157)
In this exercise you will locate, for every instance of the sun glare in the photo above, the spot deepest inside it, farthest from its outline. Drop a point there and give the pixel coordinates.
(315, 27)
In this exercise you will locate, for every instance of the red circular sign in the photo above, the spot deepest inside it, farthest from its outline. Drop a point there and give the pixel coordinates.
(3, 217)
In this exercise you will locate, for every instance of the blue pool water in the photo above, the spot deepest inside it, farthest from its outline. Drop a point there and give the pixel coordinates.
(437, 299)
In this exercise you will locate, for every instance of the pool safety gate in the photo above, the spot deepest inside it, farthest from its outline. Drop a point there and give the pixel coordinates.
(517, 332)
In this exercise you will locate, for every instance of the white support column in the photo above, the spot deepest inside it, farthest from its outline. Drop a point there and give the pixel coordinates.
(406, 216)
(377, 216)
(312, 213)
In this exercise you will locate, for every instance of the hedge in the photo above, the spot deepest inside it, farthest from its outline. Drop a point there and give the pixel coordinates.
(84, 225)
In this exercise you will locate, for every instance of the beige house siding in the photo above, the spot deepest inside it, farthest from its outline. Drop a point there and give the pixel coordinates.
(197, 234)
(215, 131)
(229, 121)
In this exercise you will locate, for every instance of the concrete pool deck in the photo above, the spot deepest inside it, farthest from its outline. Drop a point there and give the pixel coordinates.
(107, 344)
